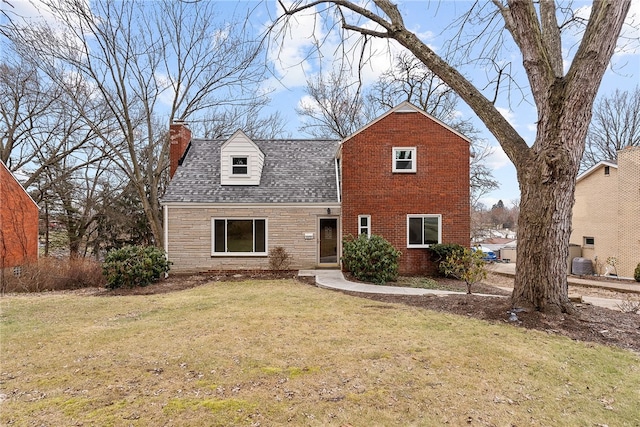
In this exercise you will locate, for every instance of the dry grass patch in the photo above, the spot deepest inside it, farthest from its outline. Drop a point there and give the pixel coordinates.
(279, 352)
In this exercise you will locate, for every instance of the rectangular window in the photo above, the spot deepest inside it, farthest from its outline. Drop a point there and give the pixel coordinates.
(239, 165)
(364, 225)
(239, 236)
(588, 242)
(423, 230)
(607, 171)
(404, 159)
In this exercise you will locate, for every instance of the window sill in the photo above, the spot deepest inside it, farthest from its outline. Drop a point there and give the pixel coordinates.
(239, 254)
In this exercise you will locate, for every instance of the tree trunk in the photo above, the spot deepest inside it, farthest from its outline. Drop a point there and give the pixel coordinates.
(544, 228)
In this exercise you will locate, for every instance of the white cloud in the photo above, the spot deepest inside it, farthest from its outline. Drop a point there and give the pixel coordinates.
(497, 159)
(309, 43)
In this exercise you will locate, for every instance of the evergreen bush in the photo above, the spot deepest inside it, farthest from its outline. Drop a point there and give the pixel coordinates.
(370, 259)
(132, 266)
(636, 273)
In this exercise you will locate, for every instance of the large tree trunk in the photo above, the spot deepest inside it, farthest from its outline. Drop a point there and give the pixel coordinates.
(544, 228)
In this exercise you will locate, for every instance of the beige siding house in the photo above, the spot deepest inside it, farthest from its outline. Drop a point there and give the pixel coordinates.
(606, 214)
(231, 201)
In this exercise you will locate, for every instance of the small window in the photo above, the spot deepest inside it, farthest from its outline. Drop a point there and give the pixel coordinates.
(423, 230)
(404, 159)
(239, 165)
(588, 242)
(239, 236)
(364, 225)
(607, 171)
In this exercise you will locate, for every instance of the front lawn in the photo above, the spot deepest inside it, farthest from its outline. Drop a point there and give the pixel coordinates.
(283, 353)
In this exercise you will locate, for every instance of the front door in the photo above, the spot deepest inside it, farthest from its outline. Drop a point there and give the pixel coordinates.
(328, 241)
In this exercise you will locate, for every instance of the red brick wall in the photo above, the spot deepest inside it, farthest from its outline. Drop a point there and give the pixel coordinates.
(18, 223)
(439, 186)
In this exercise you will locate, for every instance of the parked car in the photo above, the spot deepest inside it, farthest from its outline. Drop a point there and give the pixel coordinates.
(488, 254)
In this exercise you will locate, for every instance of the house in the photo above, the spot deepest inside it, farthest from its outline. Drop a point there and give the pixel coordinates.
(404, 176)
(606, 214)
(18, 223)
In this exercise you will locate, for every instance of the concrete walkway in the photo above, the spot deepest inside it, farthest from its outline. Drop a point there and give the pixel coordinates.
(334, 279)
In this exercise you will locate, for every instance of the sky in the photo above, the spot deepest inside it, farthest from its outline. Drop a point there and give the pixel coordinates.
(294, 58)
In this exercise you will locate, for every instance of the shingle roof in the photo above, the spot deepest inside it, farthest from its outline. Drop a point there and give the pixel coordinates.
(295, 171)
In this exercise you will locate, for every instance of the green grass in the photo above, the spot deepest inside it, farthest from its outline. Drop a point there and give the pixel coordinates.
(282, 353)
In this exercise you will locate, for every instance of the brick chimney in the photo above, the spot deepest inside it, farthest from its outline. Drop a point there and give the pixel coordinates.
(180, 136)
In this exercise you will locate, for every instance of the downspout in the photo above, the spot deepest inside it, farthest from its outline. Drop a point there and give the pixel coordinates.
(338, 179)
(165, 224)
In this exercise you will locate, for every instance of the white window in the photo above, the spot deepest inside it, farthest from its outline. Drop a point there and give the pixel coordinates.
(239, 236)
(404, 159)
(423, 230)
(239, 165)
(364, 225)
(588, 242)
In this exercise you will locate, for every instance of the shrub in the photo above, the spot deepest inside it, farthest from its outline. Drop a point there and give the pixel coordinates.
(370, 259)
(636, 273)
(467, 265)
(442, 251)
(53, 274)
(132, 266)
(279, 258)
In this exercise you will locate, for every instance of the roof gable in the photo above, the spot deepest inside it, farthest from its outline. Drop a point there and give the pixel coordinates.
(405, 107)
(14, 181)
(595, 168)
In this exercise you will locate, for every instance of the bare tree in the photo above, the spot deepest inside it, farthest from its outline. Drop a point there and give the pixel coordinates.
(546, 170)
(335, 106)
(149, 63)
(614, 126)
(248, 118)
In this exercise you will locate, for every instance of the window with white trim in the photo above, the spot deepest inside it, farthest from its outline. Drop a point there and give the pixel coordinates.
(364, 225)
(588, 242)
(231, 236)
(239, 165)
(404, 159)
(423, 230)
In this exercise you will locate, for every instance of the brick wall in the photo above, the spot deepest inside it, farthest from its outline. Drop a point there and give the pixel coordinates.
(439, 186)
(595, 213)
(607, 208)
(189, 243)
(628, 210)
(18, 223)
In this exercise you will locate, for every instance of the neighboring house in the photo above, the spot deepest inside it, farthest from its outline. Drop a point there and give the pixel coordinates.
(18, 222)
(405, 176)
(606, 214)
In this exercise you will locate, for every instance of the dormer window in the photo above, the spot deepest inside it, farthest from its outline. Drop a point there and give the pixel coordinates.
(241, 161)
(239, 165)
(404, 159)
